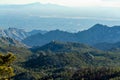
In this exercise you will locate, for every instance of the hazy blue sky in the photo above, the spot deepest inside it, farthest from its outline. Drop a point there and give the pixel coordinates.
(86, 13)
(101, 3)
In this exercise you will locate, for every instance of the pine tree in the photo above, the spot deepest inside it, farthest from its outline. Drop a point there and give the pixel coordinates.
(6, 71)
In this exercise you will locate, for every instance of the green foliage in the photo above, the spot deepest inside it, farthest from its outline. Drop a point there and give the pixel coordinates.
(62, 54)
(7, 59)
(96, 73)
(68, 61)
(61, 61)
(6, 71)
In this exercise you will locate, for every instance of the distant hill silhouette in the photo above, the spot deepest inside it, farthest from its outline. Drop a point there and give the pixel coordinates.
(97, 34)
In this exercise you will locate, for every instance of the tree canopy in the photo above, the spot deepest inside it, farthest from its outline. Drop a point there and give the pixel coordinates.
(6, 71)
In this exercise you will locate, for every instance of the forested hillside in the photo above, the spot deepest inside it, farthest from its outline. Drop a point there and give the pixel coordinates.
(63, 60)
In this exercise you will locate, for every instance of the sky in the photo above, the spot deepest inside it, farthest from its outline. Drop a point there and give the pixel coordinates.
(97, 11)
(71, 3)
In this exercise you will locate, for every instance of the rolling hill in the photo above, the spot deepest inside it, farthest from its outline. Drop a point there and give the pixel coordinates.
(58, 54)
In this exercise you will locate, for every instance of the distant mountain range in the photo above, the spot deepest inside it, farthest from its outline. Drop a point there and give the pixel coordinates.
(41, 39)
(54, 10)
(97, 34)
(51, 17)
(14, 33)
(100, 33)
(18, 34)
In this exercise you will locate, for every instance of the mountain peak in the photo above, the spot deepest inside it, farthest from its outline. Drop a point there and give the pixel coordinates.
(99, 26)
